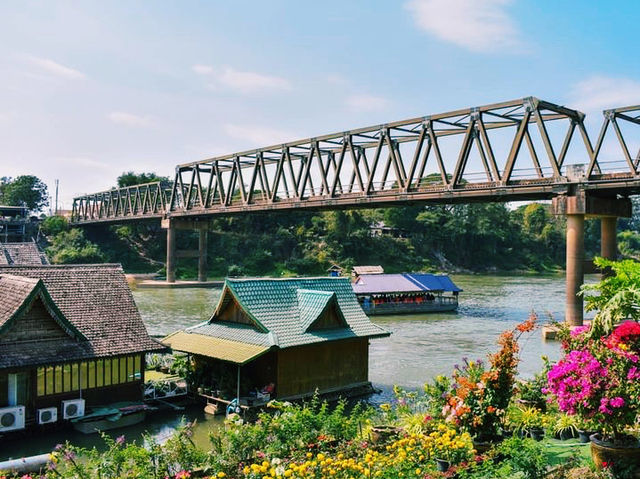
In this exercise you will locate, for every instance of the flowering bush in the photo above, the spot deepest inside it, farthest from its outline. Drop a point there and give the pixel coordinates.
(598, 378)
(479, 395)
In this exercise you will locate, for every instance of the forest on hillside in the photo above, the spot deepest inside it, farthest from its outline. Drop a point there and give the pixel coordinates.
(472, 237)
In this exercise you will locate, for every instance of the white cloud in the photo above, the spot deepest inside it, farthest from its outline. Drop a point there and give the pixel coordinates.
(367, 102)
(242, 81)
(599, 92)
(56, 69)
(477, 25)
(202, 69)
(258, 135)
(129, 119)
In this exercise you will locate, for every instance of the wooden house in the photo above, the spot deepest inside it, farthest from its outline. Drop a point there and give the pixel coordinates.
(284, 337)
(70, 337)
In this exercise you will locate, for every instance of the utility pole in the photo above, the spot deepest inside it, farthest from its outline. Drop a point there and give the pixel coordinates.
(57, 183)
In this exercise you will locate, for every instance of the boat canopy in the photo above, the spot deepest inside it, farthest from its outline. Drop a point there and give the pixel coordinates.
(404, 283)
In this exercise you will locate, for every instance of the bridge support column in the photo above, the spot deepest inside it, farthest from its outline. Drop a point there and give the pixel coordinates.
(171, 252)
(574, 312)
(202, 255)
(576, 206)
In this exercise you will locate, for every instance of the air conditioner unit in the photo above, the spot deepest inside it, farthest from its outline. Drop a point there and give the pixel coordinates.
(11, 418)
(47, 415)
(72, 408)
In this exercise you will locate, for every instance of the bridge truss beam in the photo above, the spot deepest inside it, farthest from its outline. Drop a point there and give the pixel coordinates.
(420, 159)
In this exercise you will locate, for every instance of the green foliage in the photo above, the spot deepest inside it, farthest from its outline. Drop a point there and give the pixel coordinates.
(130, 178)
(53, 225)
(515, 458)
(27, 190)
(71, 247)
(290, 432)
(615, 298)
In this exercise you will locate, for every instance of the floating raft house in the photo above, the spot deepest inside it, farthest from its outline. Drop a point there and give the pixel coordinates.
(281, 338)
(406, 293)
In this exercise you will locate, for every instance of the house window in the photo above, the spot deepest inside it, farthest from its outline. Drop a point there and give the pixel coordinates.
(99, 373)
(66, 377)
(86, 375)
(41, 384)
(107, 372)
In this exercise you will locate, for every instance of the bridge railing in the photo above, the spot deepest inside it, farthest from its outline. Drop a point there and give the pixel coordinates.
(513, 145)
(131, 202)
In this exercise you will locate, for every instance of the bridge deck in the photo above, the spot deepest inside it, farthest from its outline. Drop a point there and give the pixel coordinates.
(425, 159)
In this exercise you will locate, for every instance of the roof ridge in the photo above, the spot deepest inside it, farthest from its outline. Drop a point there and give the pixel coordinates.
(22, 279)
(297, 278)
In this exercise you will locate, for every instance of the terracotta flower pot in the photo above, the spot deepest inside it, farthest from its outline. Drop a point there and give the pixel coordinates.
(384, 433)
(620, 456)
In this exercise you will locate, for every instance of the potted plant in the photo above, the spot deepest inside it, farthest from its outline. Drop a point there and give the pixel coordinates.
(565, 427)
(386, 429)
(598, 378)
(450, 447)
(528, 421)
(480, 394)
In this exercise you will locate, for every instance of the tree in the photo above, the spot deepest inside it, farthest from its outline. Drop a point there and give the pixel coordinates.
(25, 190)
(71, 247)
(53, 225)
(130, 178)
(615, 298)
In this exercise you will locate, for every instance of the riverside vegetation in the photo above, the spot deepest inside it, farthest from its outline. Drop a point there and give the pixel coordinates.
(479, 422)
(473, 237)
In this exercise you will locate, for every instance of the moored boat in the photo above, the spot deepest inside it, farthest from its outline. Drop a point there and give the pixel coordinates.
(111, 417)
(406, 293)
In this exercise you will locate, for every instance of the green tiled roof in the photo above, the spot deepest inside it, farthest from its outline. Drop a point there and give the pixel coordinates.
(285, 308)
(311, 304)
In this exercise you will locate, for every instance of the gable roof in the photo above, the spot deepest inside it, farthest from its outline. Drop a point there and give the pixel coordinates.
(19, 293)
(22, 254)
(284, 309)
(403, 283)
(94, 299)
(312, 304)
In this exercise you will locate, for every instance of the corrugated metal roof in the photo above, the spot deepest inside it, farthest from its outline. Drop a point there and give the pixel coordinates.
(219, 348)
(433, 282)
(285, 308)
(403, 283)
(385, 283)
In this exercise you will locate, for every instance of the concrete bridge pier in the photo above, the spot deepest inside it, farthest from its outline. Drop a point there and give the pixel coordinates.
(172, 225)
(577, 207)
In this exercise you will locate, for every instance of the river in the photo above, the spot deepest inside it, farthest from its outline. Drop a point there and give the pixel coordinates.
(419, 348)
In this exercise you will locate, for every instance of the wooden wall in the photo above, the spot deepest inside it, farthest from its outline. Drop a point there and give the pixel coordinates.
(322, 366)
(36, 324)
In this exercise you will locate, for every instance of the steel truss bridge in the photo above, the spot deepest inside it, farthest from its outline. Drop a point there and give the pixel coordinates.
(515, 150)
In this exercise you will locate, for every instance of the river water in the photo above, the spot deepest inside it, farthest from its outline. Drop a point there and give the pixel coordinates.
(419, 348)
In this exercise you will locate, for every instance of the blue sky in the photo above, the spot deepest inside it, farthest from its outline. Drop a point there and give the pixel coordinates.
(90, 89)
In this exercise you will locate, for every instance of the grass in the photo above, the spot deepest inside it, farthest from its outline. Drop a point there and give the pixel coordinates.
(559, 451)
